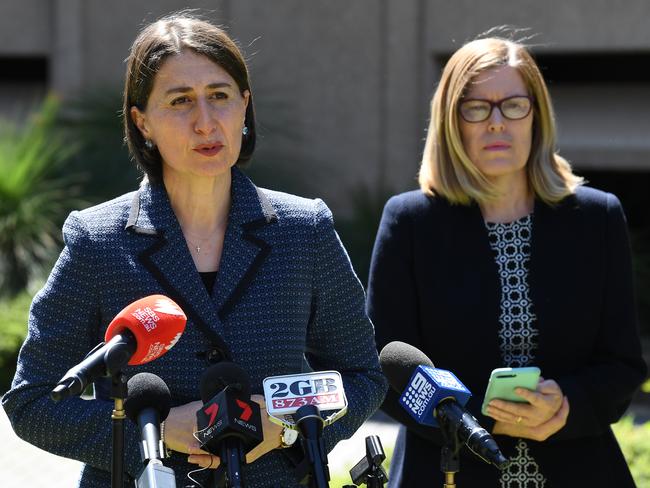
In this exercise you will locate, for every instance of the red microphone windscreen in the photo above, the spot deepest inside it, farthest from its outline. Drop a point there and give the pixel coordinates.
(157, 323)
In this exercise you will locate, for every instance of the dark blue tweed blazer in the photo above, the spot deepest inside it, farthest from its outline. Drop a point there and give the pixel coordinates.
(285, 290)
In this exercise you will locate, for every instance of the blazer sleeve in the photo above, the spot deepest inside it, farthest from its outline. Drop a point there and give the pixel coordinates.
(63, 327)
(340, 336)
(392, 295)
(393, 300)
(600, 392)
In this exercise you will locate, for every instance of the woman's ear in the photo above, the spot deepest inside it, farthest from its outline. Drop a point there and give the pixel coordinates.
(139, 119)
(247, 95)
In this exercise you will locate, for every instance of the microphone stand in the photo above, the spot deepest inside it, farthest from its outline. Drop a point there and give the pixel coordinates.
(119, 392)
(310, 424)
(450, 452)
(369, 470)
(114, 359)
(229, 474)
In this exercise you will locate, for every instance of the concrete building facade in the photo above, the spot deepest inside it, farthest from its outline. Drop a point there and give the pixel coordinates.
(343, 87)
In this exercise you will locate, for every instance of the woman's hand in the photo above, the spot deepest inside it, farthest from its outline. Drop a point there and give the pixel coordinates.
(180, 426)
(539, 433)
(543, 416)
(272, 433)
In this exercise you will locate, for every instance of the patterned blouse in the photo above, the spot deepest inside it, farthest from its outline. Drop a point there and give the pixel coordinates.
(510, 243)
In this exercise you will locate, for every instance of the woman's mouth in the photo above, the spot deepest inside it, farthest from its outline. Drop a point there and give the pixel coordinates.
(209, 150)
(497, 146)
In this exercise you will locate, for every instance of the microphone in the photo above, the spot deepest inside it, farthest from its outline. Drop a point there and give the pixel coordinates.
(148, 405)
(433, 396)
(141, 332)
(295, 402)
(229, 423)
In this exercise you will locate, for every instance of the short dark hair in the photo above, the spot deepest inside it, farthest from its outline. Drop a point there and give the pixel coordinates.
(166, 37)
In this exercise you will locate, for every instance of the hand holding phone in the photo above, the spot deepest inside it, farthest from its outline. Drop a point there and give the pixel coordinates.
(503, 382)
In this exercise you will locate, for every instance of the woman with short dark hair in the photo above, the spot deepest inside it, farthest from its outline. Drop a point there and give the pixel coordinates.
(261, 275)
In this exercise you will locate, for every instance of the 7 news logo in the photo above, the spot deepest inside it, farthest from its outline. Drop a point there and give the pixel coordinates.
(418, 394)
(212, 410)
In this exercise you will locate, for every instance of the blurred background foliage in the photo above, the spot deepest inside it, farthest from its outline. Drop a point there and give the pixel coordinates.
(71, 155)
(36, 192)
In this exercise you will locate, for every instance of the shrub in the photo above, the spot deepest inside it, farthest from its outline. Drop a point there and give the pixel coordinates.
(35, 196)
(635, 444)
(13, 317)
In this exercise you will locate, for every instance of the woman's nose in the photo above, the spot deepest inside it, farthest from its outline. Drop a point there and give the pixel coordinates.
(496, 122)
(205, 122)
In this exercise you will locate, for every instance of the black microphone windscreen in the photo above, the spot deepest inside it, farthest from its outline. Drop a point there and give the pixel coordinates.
(146, 390)
(398, 361)
(217, 377)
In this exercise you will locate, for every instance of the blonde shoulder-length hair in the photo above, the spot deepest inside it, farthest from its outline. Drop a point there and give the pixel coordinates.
(447, 170)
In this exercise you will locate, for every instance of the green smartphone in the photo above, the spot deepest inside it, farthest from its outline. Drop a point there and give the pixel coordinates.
(503, 382)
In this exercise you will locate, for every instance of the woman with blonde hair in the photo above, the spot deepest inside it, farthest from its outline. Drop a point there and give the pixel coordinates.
(503, 258)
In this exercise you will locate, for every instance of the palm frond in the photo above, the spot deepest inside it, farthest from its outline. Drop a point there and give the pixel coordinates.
(35, 194)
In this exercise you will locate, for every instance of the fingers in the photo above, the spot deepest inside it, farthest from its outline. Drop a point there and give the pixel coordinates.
(257, 452)
(520, 419)
(527, 414)
(554, 424)
(549, 387)
(204, 460)
(542, 405)
(259, 399)
(563, 413)
(502, 415)
(508, 411)
(195, 449)
(537, 433)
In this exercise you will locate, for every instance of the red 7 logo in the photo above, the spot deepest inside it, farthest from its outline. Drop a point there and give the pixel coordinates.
(212, 412)
(247, 411)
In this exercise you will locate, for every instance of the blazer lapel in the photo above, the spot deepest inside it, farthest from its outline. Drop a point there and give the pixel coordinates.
(244, 252)
(168, 259)
(549, 260)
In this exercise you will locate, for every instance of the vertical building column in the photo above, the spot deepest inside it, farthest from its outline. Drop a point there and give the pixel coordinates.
(66, 61)
(406, 98)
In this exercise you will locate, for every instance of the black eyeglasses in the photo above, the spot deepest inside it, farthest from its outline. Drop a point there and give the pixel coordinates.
(512, 108)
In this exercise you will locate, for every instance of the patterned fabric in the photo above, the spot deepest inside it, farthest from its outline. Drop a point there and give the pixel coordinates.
(285, 290)
(510, 243)
(434, 283)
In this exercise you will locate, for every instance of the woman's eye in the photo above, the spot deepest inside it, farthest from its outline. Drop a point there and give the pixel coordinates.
(219, 96)
(180, 100)
(477, 108)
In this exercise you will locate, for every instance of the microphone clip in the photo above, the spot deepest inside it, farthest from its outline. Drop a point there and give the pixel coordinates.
(369, 470)
(212, 356)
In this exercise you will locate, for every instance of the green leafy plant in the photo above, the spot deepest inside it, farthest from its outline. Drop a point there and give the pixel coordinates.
(13, 317)
(635, 444)
(35, 195)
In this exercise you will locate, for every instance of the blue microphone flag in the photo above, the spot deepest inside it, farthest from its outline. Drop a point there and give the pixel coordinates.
(427, 388)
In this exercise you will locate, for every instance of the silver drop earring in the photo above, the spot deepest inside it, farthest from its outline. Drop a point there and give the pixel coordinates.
(149, 144)
(244, 130)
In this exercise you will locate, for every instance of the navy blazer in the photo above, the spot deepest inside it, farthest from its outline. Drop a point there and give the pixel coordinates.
(285, 290)
(434, 284)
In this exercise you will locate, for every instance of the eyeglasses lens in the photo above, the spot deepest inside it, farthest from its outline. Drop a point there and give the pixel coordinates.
(513, 108)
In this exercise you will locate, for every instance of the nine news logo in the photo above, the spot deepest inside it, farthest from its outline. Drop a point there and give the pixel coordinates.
(427, 387)
(418, 394)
